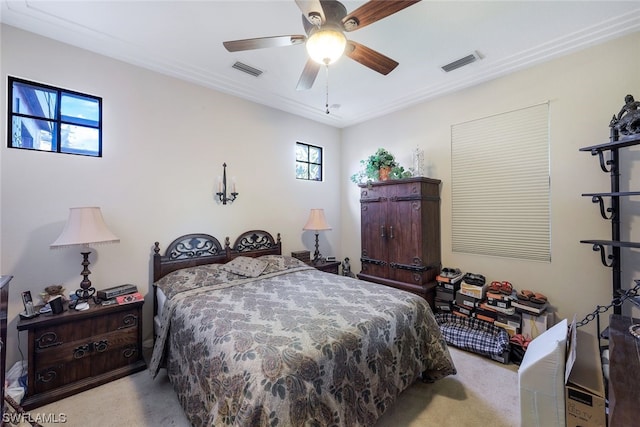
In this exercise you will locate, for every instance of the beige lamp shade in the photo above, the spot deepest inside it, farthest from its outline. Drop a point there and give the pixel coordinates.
(316, 221)
(85, 226)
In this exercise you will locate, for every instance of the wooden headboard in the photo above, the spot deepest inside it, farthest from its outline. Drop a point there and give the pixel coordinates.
(196, 249)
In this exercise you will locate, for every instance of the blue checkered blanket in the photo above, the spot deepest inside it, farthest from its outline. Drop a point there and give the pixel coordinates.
(473, 334)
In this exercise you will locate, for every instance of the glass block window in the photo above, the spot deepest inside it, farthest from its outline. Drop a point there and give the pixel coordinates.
(308, 162)
(47, 118)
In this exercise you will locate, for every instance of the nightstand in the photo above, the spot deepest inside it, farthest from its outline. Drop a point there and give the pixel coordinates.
(77, 350)
(327, 266)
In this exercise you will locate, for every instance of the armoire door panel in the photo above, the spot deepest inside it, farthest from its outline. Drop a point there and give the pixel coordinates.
(374, 233)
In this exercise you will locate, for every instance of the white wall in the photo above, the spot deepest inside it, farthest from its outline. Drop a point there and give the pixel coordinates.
(164, 142)
(584, 90)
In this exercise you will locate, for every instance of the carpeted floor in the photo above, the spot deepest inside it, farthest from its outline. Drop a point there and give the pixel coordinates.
(483, 392)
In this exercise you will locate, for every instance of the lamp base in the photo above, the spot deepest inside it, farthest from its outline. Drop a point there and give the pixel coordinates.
(86, 291)
(85, 294)
(317, 257)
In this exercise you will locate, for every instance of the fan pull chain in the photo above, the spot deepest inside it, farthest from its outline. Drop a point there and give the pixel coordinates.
(327, 92)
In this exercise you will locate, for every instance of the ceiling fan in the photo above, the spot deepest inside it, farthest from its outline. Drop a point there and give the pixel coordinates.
(325, 22)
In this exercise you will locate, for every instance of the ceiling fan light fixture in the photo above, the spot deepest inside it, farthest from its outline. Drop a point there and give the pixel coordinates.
(326, 45)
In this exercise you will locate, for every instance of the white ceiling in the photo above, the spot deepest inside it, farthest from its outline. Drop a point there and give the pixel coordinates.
(184, 39)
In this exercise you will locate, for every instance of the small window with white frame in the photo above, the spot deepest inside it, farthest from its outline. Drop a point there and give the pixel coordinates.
(308, 162)
(47, 118)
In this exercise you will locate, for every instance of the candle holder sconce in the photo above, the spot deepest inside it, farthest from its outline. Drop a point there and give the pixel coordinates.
(222, 188)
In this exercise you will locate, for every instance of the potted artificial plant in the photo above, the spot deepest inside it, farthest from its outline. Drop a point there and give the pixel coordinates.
(380, 166)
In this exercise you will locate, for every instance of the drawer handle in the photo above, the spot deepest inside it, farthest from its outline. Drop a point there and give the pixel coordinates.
(46, 376)
(129, 321)
(81, 351)
(129, 351)
(101, 346)
(46, 340)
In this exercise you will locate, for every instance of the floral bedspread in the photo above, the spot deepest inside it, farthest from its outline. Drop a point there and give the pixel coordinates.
(293, 346)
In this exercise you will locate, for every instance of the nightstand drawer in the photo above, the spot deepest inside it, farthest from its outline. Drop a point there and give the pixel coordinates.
(50, 337)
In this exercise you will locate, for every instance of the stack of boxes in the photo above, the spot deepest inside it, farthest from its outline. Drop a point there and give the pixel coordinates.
(472, 291)
(468, 295)
(446, 290)
(535, 319)
(502, 312)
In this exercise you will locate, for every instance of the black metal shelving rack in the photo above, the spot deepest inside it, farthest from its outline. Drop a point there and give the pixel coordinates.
(612, 213)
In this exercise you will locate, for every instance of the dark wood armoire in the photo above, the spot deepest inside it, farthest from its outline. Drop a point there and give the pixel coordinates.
(400, 221)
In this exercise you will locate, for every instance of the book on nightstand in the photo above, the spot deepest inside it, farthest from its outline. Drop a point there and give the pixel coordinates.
(126, 299)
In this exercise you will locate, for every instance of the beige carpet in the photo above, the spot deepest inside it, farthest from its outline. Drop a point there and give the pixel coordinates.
(483, 392)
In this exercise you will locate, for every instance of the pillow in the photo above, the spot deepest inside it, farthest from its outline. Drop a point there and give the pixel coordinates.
(275, 263)
(245, 266)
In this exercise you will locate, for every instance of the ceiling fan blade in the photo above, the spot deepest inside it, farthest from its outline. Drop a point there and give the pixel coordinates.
(370, 58)
(312, 11)
(374, 11)
(309, 75)
(263, 42)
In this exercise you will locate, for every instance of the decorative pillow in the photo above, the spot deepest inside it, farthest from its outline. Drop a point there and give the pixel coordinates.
(245, 266)
(280, 263)
(292, 262)
(275, 263)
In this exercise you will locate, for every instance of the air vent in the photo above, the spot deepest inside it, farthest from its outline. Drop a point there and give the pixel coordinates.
(247, 69)
(461, 62)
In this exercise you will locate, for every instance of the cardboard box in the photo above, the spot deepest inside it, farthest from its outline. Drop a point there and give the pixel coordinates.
(487, 313)
(508, 311)
(541, 379)
(450, 280)
(498, 300)
(466, 301)
(584, 382)
(481, 316)
(466, 311)
(458, 313)
(533, 326)
(530, 308)
(511, 330)
(514, 320)
(473, 290)
(445, 294)
(451, 284)
(442, 306)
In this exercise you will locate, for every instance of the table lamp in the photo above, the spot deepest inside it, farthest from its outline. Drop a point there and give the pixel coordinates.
(85, 227)
(316, 222)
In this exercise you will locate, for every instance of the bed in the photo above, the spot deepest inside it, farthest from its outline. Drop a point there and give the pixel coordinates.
(250, 337)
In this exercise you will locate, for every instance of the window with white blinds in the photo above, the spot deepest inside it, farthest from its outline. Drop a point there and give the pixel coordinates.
(501, 185)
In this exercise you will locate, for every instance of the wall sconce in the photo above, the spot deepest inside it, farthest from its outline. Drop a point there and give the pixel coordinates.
(222, 187)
